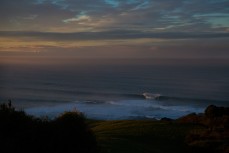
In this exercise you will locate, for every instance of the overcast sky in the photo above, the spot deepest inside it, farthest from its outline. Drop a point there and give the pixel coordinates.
(115, 28)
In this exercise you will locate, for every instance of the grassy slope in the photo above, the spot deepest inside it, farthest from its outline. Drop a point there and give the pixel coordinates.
(141, 136)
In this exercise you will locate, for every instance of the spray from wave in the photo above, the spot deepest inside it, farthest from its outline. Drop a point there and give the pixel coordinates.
(151, 96)
(121, 109)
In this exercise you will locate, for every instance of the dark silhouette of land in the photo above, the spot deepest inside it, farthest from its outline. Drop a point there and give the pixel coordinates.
(71, 132)
(214, 137)
(21, 133)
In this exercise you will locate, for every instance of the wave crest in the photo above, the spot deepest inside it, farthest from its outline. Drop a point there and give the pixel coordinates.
(151, 96)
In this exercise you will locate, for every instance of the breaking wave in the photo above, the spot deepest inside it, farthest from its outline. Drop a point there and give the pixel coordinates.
(121, 109)
(130, 106)
(160, 97)
(151, 96)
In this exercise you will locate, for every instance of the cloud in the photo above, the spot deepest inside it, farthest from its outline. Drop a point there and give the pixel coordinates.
(79, 18)
(181, 26)
(111, 35)
(154, 15)
(113, 3)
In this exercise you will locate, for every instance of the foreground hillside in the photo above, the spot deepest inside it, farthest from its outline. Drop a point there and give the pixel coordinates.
(142, 136)
(73, 133)
(207, 132)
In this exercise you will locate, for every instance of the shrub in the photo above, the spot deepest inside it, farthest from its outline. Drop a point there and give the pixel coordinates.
(68, 133)
(214, 138)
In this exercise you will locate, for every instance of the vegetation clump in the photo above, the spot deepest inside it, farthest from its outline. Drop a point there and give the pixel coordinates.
(213, 138)
(67, 133)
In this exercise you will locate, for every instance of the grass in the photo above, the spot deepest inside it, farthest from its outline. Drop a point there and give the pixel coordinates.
(72, 132)
(141, 136)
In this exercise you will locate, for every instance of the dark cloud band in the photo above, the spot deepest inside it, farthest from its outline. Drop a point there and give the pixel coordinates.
(111, 35)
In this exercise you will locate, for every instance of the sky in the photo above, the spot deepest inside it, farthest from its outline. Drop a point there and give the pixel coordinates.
(114, 29)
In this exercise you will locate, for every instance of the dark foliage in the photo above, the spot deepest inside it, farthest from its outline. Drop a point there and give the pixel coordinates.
(20, 132)
(213, 111)
(214, 137)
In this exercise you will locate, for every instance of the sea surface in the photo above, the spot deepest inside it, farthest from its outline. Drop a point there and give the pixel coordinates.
(116, 89)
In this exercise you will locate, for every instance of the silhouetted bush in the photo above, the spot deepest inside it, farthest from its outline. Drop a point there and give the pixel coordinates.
(214, 137)
(68, 133)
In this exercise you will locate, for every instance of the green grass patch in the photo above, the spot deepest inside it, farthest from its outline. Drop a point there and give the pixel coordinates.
(142, 136)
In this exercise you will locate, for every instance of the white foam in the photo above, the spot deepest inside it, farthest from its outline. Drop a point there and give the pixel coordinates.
(151, 95)
(123, 109)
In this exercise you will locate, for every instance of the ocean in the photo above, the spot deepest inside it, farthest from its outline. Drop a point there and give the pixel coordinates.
(116, 88)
